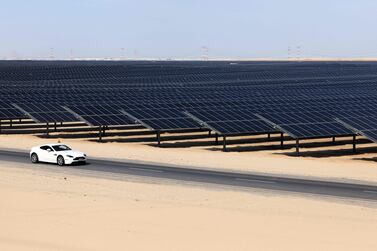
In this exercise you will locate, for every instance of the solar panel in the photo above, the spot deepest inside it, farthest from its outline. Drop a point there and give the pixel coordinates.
(223, 114)
(100, 115)
(371, 134)
(95, 109)
(149, 113)
(46, 113)
(219, 95)
(106, 120)
(364, 123)
(301, 125)
(53, 117)
(5, 105)
(366, 126)
(170, 124)
(316, 130)
(231, 121)
(240, 127)
(297, 117)
(162, 119)
(11, 113)
(40, 107)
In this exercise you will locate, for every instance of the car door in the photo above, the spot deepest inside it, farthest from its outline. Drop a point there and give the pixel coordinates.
(51, 155)
(42, 153)
(47, 154)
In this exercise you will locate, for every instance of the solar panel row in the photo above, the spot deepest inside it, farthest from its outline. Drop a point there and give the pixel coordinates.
(301, 99)
(364, 125)
(240, 127)
(11, 113)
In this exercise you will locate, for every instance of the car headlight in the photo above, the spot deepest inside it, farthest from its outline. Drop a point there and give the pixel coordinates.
(69, 156)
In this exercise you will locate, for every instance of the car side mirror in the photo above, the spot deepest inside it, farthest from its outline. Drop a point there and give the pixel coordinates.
(49, 150)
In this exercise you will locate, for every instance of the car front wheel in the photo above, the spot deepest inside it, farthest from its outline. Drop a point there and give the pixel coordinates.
(60, 161)
(34, 158)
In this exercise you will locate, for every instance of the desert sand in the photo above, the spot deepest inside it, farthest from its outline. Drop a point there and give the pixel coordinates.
(47, 208)
(44, 207)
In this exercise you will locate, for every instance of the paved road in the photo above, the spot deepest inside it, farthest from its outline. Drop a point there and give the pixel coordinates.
(324, 188)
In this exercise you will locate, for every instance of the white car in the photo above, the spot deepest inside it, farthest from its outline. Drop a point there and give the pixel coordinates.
(56, 153)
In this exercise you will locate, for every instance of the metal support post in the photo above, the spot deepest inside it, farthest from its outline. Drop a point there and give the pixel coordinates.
(224, 143)
(281, 140)
(297, 147)
(158, 138)
(354, 143)
(47, 130)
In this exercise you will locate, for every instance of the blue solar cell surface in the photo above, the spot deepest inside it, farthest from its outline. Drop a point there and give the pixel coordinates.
(240, 127)
(167, 124)
(100, 115)
(364, 125)
(303, 98)
(315, 130)
(163, 119)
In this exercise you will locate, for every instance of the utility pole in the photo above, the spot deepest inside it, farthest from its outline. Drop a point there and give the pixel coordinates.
(122, 54)
(298, 52)
(136, 54)
(205, 53)
(71, 54)
(52, 56)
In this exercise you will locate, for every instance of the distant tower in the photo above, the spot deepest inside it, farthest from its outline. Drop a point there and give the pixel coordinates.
(289, 52)
(136, 54)
(205, 53)
(298, 52)
(71, 54)
(122, 53)
(14, 55)
(51, 56)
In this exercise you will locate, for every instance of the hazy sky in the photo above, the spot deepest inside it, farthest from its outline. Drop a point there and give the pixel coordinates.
(178, 29)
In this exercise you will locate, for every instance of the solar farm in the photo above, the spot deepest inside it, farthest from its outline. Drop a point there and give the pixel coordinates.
(295, 101)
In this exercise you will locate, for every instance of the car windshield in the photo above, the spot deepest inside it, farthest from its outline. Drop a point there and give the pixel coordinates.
(61, 148)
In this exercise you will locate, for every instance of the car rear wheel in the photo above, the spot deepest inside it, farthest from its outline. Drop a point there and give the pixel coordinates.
(34, 158)
(60, 161)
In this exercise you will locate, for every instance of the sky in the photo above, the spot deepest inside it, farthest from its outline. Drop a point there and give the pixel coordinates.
(180, 29)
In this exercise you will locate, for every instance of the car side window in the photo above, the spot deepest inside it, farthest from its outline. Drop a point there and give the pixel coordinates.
(46, 148)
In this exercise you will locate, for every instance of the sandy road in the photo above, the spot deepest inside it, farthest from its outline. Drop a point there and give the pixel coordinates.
(303, 186)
